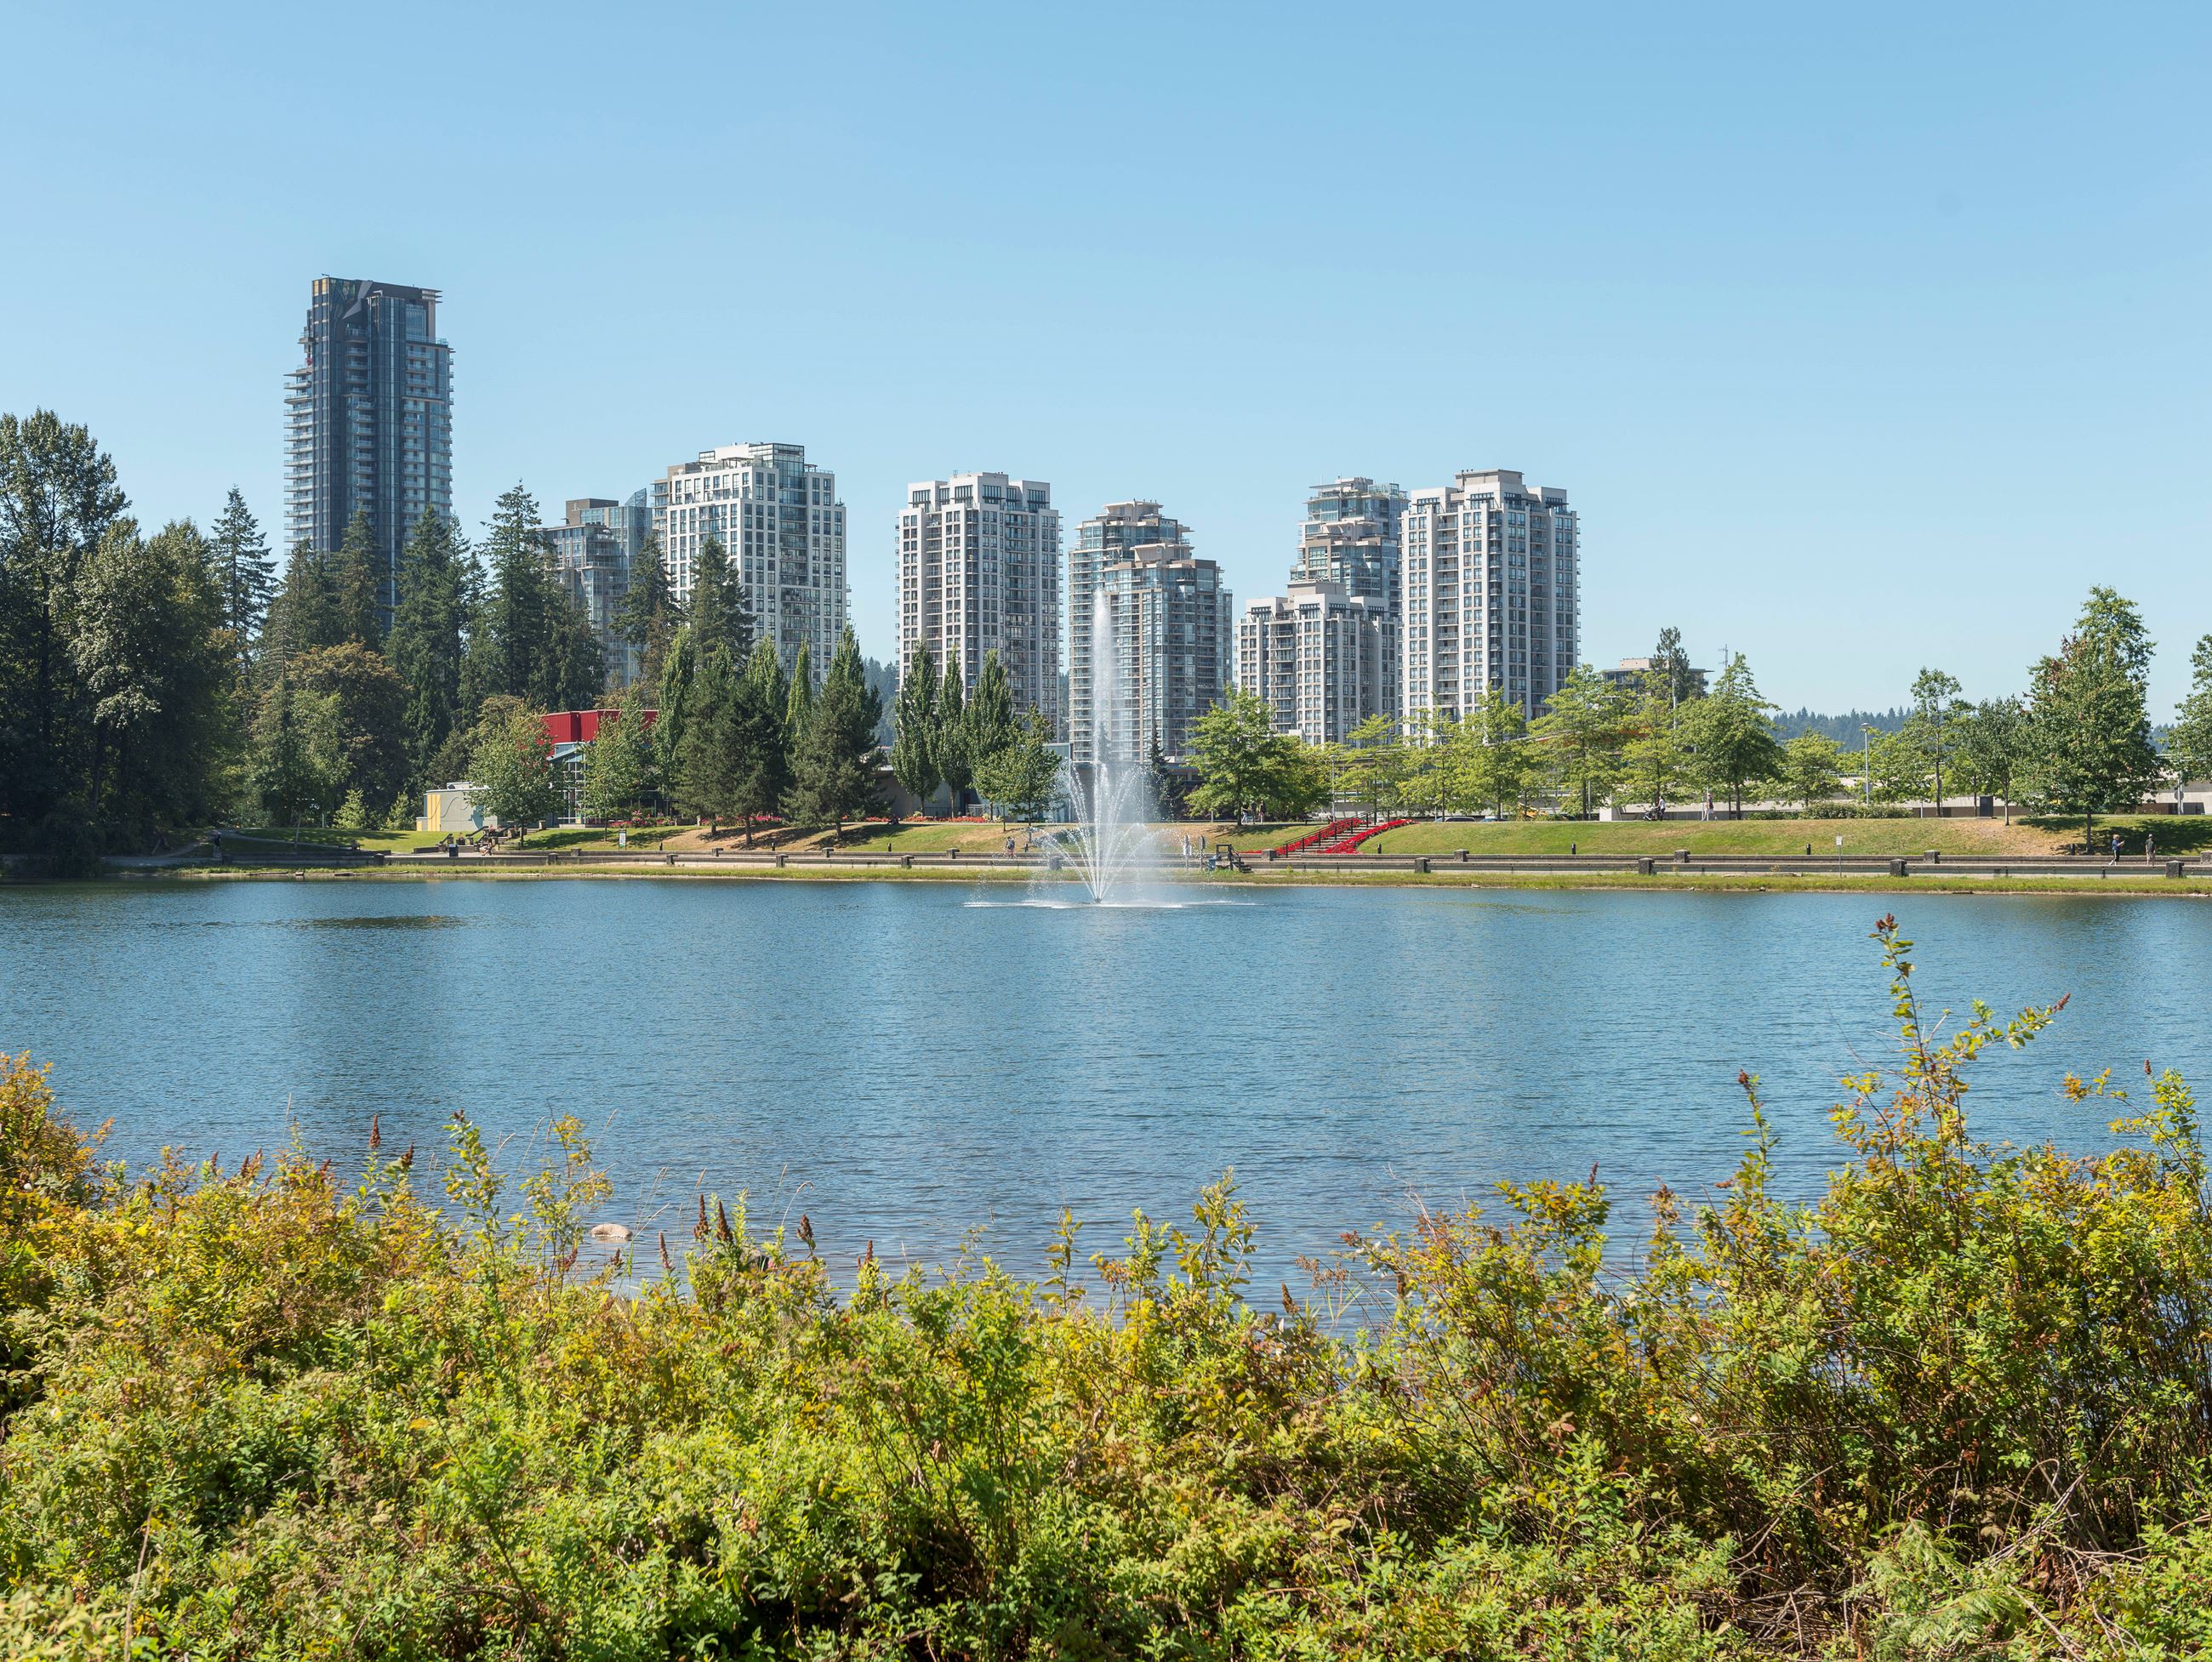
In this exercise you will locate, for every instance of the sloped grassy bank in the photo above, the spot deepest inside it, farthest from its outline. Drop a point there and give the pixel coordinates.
(1957, 1406)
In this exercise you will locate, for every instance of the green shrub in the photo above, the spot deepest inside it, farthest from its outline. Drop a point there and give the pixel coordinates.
(1955, 1405)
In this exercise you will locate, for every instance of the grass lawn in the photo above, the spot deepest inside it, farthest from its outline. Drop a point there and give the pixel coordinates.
(394, 841)
(1783, 837)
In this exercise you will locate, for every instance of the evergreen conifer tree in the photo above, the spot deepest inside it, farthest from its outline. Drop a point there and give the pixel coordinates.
(678, 671)
(646, 615)
(913, 741)
(426, 644)
(798, 706)
(990, 719)
(718, 613)
(833, 762)
(573, 673)
(706, 765)
(357, 577)
(955, 760)
(512, 636)
(246, 578)
(763, 742)
(304, 616)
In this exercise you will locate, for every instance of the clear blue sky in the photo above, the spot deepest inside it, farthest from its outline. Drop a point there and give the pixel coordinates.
(1862, 339)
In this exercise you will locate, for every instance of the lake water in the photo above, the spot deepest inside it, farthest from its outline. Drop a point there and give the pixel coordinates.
(903, 1061)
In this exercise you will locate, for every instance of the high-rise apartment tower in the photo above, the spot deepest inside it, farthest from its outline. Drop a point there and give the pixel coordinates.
(1350, 537)
(1152, 635)
(978, 572)
(1491, 569)
(783, 528)
(593, 548)
(1323, 660)
(368, 418)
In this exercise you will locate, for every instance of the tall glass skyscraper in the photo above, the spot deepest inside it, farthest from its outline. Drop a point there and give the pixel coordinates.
(368, 417)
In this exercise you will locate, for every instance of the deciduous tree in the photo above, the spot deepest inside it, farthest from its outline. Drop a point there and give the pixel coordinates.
(1497, 762)
(512, 770)
(1020, 779)
(1731, 737)
(618, 765)
(367, 705)
(1812, 769)
(1245, 766)
(1934, 694)
(2189, 744)
(1583, 730)
(1990, 747)
(1652, 759)
(2089, 744)
(147, 646)
(297, 765)
(58, 498)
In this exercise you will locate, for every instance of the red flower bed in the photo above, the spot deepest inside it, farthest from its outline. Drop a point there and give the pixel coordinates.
(1351, 843)
(1333, 828)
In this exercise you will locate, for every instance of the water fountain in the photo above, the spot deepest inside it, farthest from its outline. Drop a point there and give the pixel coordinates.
(1108, 834)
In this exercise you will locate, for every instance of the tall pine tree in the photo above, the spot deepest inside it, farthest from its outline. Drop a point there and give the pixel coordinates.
(673, 701)
(646, 615)
(512, 636)
(246, 579)
(988, 721)
(763, 772)
(357, 576)
(833, 761)
(706, 764)
(956, 762)
(798, 707)
(717, 615)
(427, 641)
(914, 735)
(304, 617)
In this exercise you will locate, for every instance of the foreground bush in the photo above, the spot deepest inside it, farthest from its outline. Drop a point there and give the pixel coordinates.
(1957, 1406)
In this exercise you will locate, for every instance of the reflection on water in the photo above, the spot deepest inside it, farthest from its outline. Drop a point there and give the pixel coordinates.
(430, 921)
(908, 1060)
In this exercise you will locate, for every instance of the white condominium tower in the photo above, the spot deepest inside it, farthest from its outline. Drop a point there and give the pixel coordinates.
(1152, 635)
(978, 572)
(1321, 660)
(783, 529)
(1350, 537)
(1491, 594)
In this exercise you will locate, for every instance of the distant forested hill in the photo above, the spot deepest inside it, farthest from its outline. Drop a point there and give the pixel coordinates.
(1843, 729)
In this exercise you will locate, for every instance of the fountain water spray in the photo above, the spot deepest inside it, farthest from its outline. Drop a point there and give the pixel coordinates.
(1109, 834)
